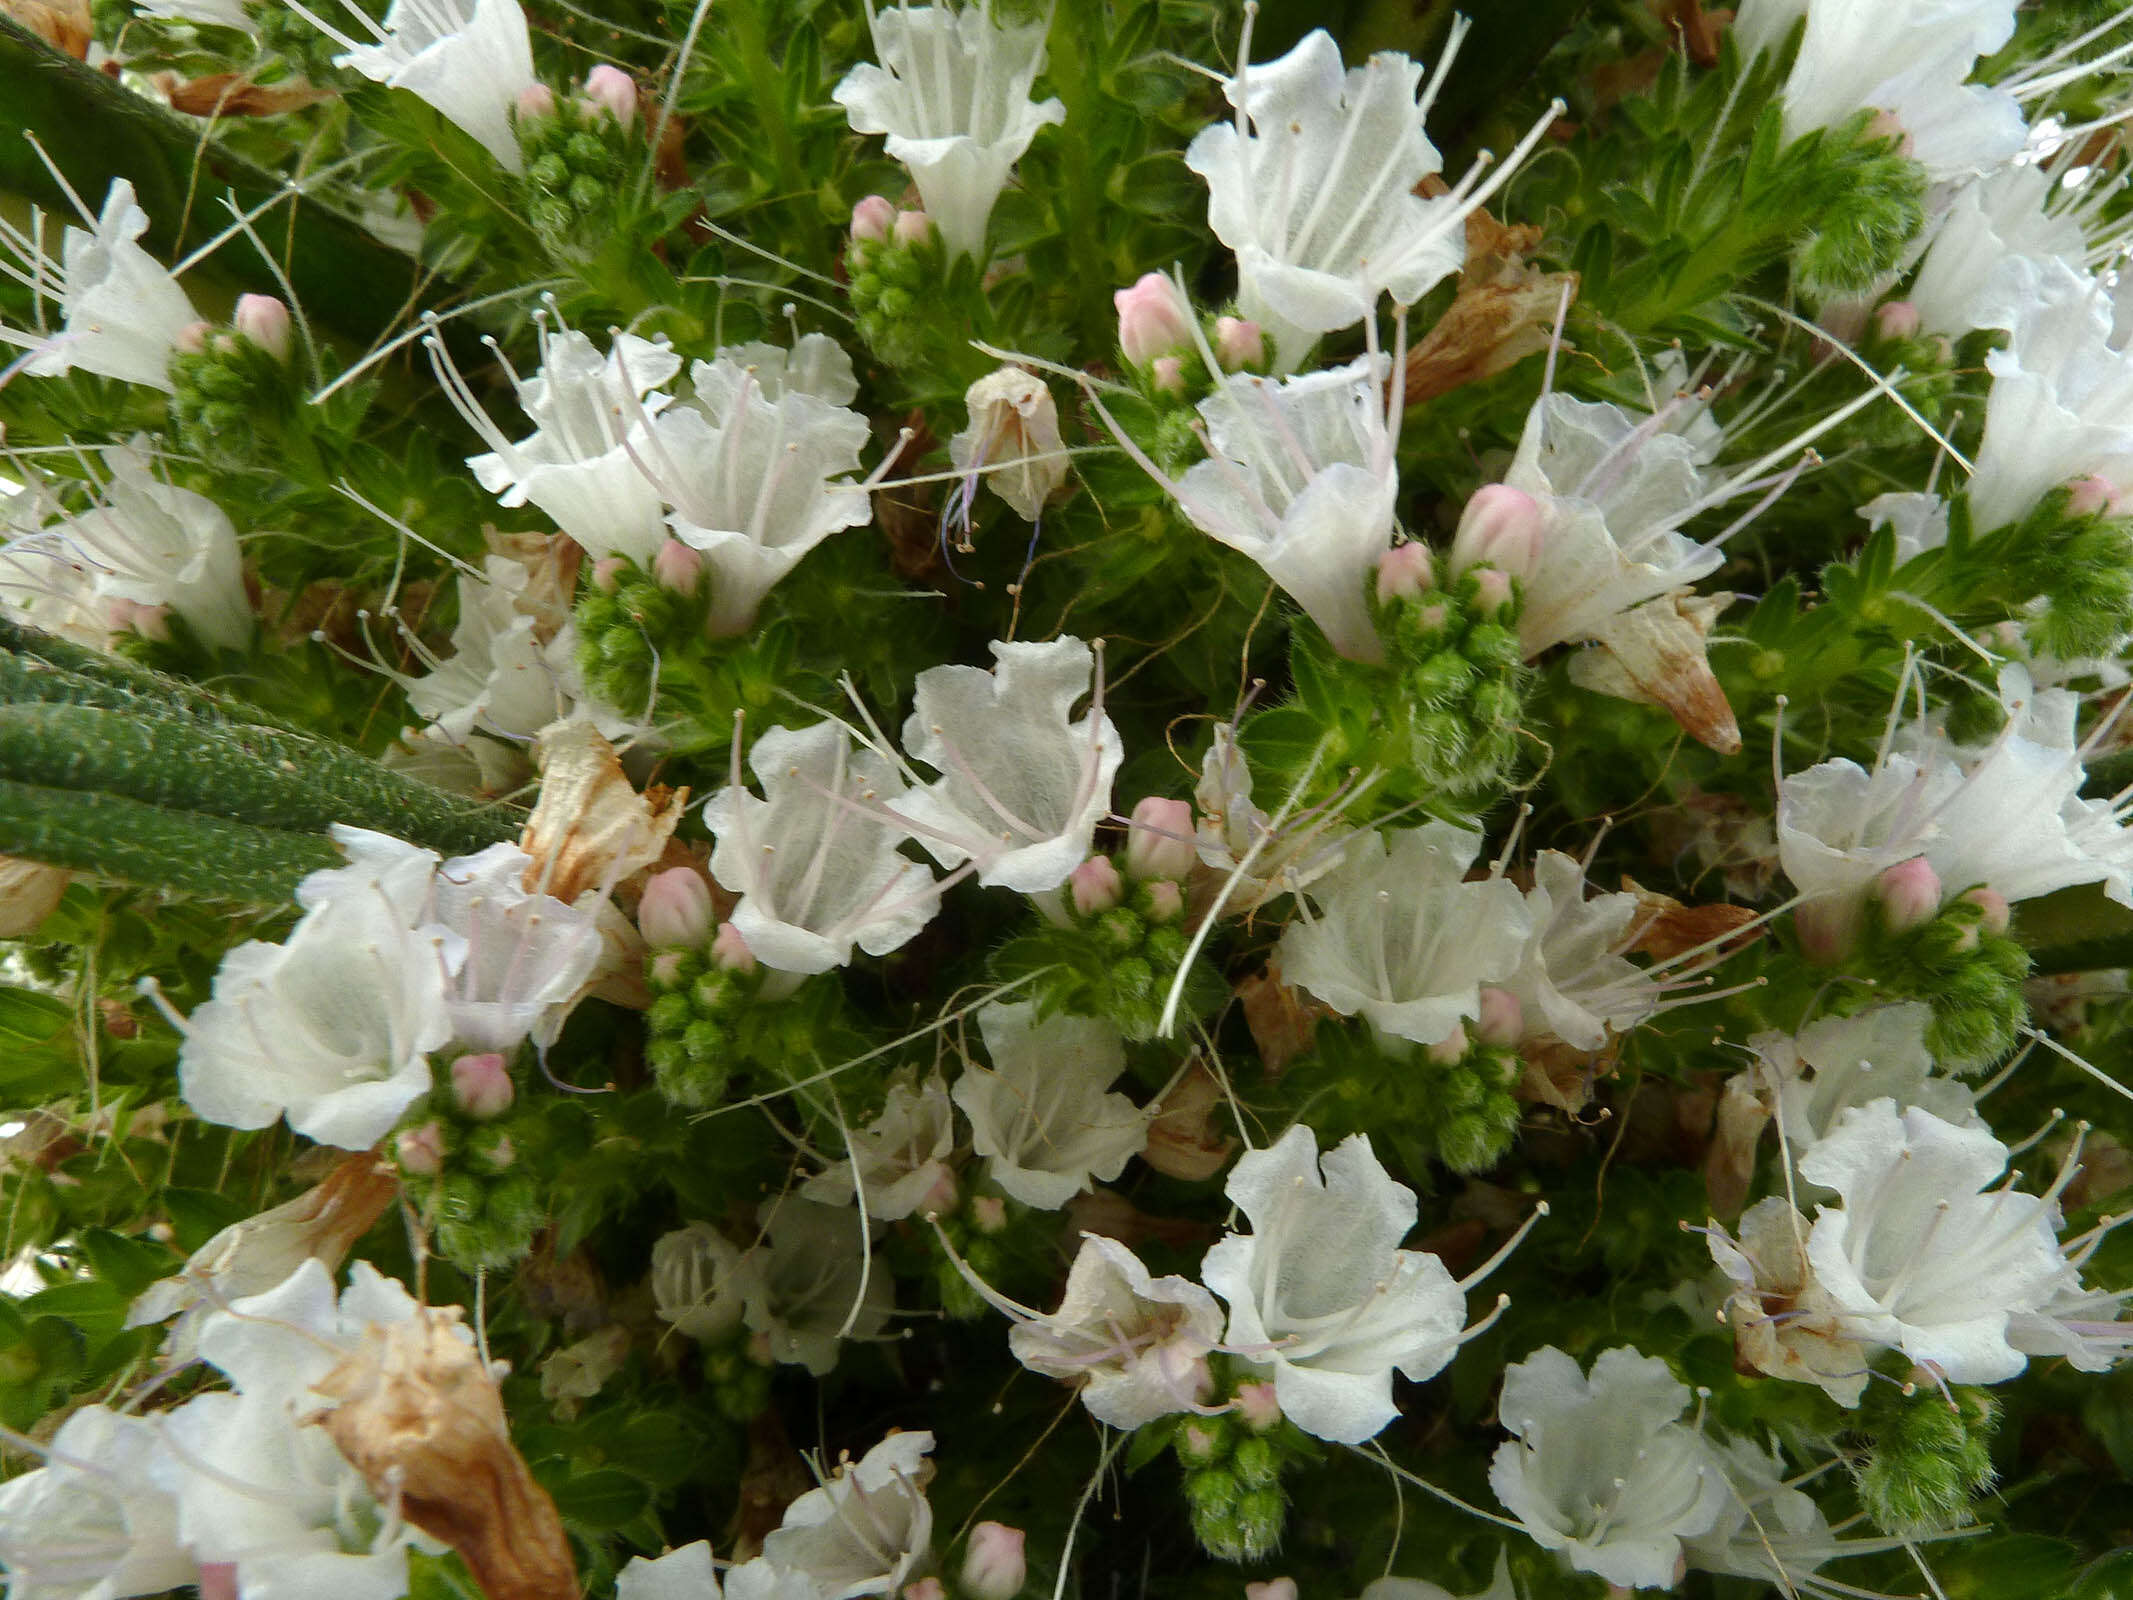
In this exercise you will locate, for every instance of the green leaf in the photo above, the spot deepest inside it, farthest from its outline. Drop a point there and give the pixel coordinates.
(602, 1500)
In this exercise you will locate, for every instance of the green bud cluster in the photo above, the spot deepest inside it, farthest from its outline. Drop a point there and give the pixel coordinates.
(579, 167)
(483, 1200)
(1927, 1453)
(739, 1380)
(1870, 204)
(1970, 976)
(895, 296)
(1232, 1481)
(1117, 963)
(1462, 684)
(1461, 1112)
(630, 630)
(230, 400)
(690, 1031)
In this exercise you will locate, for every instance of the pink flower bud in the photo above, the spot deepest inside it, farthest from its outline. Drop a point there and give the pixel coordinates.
(1502, 1020)
(1166, 901)
(265, 321)
(1239, 343)
(1153, 319)
(1166, 374)
(665, 967)
(1272, 1589)
(192, 338)
(421, 1150)
(675, 909)
(502, 1154)
(872, 219)
(1450, 1050)
(1160, 839)
(535, 100)
(988, 1213)
(994, 1567)
(1095, 886)
(130, 616)
(1896, 320)
(605, 571)
(1257, 1406)
(730, 952)
(2090, 496)
(912, 227)
(1910, 894)
(1492, 590)
(925, 1589)
(482, 1085)
(677, 567)
(1501, 527)
(1405, 572)
(1995, 908)
(218, 1580)
(1433, 616)
(612, 90)
(939, 1200)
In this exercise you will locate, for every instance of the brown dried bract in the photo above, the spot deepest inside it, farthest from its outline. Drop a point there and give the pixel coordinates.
(417, 1413)
(1186, 1139)
(232, 94)
(591, 828)
(1655, 653)
(62, 24)
(1505, 310)
(30, 891)
(1666, 928)
(1283, 1020)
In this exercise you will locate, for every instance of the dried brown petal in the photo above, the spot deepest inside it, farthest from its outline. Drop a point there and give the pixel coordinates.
(418, 1414)
(231, 94)
(1654, 653)
(1505, 310)
(1729, 1162)
(591, 828)
(1186, 1139)
(29, 892)
(62, 24)
(1666, 928)
(1282, 1019)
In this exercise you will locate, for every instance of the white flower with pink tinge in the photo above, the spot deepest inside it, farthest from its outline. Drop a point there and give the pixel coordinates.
(898, 1163)
(92, 1523)
(1043, 1116)
(1022, 784)
(471, 59)
(1320, 1291)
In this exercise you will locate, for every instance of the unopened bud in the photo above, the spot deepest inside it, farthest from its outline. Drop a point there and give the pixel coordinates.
(912, 227)
(1153, 319)
(1095, 886)
(666, 967)
(730, 952)
(482, 1085)
(1166, 901)
(1492, 590)
(1405, 572)
(612, 90)
(925, 1589)
(192, 338)
(1502, 1020)
(1166, 375)
(1257, 1406)
(535, 100)
(675, 909)
(994, 1566)
(1994, 905)
(218, 1580)
(677, 567)
(606, 571)
(1272, 1589)
(1160, 839)
(1501, 527)
(1910, 894)
(1896, 320)
(131, 616)
(421, 1150)
(2090, 496)
(1239, 343)
(988, 1213)
(940, 1198)
(872, 219)
(1451, 1049)
(265, 321)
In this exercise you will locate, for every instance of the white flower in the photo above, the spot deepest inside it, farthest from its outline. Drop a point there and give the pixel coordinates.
(1784, 1324)
(1500, 1588)
(756, 480)
(1907, 58)
(952, 94)
(865, 1531)
(1320, 1290)
(1574, 981)
(1921, 1256)
(815, 862)
(816, 365)
(701, 1281)
(2061, 404)
(121, 310)
(1232, 829)
(815, 1285)
(1612, 492)
(92, 1524)
(899, 1161)
(1137, 1345)
(257, 1484)
(1300, 476)
(1602, 1469)
(471, 59)
(1402, 938)
(520, 960)
(42, 581)
(2006, 214)
(1768, 1530)
(1920, 521)
(683, 1574)
(221, 13)
(331, 1027)
(153, 544)
(1041, 1116)
(1022, 786)
(1013, 440)
(589, 412)
(1313, 186)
